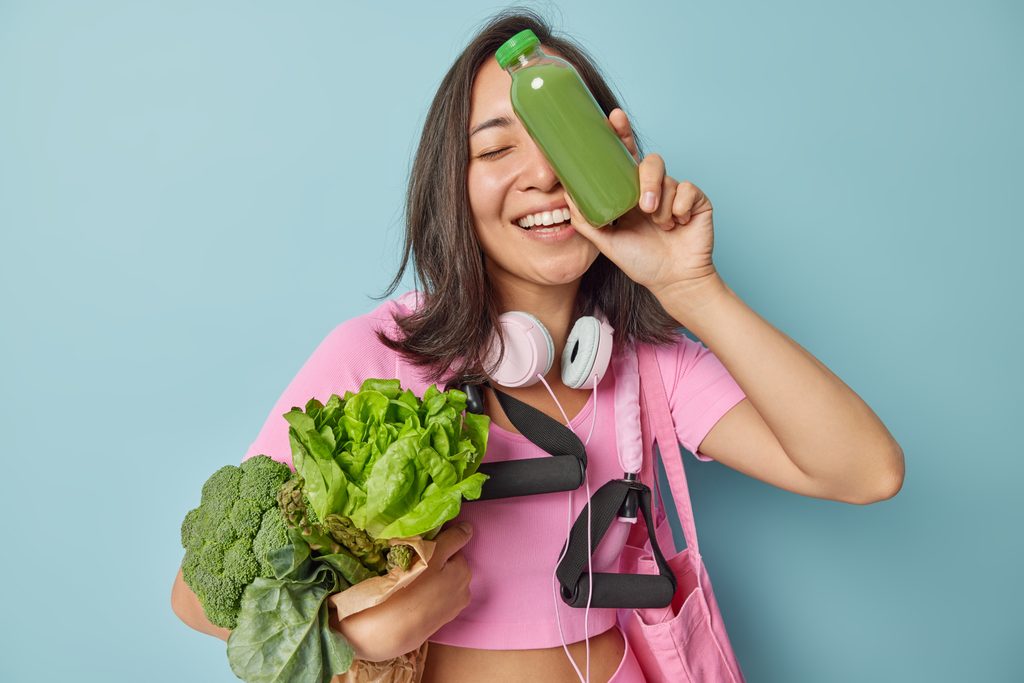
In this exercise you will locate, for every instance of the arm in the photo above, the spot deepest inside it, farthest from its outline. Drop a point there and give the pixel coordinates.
(188, 608)
(800, 427)
(398, 625)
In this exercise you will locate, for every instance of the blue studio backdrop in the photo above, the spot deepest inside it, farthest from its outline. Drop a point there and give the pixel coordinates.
(193, 194)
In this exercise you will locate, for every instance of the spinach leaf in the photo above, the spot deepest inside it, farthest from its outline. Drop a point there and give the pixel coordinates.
(290, 559)
(348, 566)
(283, 633)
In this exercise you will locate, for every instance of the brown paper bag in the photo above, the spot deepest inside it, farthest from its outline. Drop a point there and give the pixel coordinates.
(407, 668)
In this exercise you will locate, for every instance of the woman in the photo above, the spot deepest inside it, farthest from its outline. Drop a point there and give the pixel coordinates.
(759, 403)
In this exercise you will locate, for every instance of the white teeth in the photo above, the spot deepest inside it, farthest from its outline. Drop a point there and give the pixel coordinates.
(552, 217)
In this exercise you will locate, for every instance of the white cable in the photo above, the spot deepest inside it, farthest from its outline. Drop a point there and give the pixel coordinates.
(554, 595)
(568, 530)
(590, 546)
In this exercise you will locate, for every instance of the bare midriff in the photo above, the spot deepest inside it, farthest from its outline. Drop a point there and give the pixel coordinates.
(451, 664)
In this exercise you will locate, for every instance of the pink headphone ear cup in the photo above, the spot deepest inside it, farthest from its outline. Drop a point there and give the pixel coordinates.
(529, 351)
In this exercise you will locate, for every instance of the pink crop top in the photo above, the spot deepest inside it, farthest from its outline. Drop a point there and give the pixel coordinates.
(516, 541)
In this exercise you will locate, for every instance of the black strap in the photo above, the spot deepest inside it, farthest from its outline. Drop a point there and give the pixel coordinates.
(613, 590)
(563, 472)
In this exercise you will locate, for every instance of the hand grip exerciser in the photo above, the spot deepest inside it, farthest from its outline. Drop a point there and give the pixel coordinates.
(613, 590)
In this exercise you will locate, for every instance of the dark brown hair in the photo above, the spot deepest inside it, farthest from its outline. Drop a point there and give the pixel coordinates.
(450, 331)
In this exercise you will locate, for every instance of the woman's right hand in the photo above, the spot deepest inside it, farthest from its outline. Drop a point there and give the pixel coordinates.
(411, 615)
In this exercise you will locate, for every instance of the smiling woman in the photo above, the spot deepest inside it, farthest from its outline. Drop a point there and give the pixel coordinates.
(491, 231)
(475, 174)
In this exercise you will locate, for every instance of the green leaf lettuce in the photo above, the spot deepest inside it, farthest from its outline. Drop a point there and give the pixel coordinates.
(396, 465)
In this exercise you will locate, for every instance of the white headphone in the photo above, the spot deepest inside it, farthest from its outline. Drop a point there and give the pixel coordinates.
(529, 351)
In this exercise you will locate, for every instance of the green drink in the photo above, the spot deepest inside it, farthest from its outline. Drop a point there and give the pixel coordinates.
(563, 118)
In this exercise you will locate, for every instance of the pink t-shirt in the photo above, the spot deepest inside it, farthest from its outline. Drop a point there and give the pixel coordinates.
(516, 541)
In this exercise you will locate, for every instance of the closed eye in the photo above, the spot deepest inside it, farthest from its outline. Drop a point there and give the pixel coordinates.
(491, 155)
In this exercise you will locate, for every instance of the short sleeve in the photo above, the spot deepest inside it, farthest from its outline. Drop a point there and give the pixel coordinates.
(700, 390)
(350, 354)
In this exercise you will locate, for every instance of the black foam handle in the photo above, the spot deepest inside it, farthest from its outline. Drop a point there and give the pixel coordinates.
(513, 478)
(622, 590)
(612, 590)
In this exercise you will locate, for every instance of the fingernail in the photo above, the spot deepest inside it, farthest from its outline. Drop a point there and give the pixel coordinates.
(466, 528)
(647, 202)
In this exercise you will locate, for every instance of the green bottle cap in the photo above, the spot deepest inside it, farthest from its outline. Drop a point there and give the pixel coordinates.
(519, 44)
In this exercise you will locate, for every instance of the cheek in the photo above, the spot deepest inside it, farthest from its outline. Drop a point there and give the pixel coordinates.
(487, 188)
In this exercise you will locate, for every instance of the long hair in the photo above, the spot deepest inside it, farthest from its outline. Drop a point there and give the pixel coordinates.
(450, 331)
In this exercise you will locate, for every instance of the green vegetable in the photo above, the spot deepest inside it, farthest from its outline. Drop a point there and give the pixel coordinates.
(284, 633)
(273, 534)
(401, 556)
(265, 549)
(227, 538)
(382, 461)
(335, 534)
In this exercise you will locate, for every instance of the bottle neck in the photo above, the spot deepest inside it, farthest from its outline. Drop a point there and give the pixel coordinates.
(526, 59)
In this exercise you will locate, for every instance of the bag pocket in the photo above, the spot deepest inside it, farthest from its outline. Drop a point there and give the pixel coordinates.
(678, 643)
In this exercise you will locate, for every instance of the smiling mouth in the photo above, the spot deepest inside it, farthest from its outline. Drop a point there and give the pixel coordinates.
(545, 221)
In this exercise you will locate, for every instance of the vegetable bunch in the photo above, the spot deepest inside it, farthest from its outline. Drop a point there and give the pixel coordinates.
(266, 547)
(228, 537)
(392, 464)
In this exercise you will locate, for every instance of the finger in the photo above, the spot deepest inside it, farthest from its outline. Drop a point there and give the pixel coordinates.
(664, 216)
(450, 541)
(620, 122)
(687, 197)
(652, 175)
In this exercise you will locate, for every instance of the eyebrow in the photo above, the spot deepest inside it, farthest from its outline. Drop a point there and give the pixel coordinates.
(498, 121)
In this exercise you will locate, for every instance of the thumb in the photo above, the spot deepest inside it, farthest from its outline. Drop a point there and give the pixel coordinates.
(580, 224)
(450, 541)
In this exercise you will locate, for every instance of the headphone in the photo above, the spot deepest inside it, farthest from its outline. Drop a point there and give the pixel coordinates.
(529, 351)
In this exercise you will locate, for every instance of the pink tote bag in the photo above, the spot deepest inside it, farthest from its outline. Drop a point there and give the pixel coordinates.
(687, 640)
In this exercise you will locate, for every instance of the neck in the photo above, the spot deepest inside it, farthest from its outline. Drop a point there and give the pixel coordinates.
(551, 304)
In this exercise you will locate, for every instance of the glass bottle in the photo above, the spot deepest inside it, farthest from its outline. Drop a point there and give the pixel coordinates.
(565, 120)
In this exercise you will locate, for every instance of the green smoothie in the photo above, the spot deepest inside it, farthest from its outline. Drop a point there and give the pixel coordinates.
(563, 118)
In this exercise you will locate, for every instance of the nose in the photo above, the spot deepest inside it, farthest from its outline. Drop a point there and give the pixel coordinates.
(536, 172)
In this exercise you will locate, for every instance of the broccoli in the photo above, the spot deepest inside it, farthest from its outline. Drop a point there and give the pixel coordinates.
(227, 538)
(273, 534)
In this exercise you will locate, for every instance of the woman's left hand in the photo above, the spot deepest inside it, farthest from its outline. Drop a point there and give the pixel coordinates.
(665, 245)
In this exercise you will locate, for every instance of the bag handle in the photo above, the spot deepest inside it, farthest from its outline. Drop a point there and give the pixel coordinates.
(654, 403)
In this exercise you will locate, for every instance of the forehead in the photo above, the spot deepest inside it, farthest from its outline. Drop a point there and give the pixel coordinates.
(490, 95)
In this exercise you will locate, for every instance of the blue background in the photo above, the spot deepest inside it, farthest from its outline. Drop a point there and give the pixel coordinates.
(192, 194)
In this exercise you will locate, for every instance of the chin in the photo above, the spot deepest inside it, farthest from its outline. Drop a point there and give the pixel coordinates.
(564, 273)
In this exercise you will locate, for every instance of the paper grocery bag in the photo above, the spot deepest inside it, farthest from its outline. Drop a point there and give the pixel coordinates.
(407, 668)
